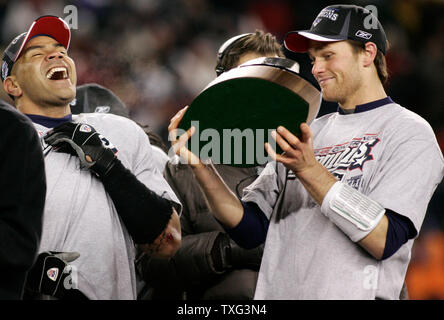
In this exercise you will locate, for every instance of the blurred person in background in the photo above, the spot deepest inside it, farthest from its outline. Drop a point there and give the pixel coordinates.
(209, 265)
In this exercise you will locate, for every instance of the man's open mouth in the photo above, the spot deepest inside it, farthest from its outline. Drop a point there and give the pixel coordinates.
(57, 73)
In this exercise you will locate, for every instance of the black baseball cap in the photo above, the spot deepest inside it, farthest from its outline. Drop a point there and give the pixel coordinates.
(92, 97)
(50, 26)
(337, 23)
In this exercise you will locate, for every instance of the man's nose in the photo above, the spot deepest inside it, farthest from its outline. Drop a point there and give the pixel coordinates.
(54, 56)
(318, 68)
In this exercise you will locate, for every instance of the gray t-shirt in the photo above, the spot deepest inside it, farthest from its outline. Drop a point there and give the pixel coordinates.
(390, 155)
(160, 158)
(80, 216)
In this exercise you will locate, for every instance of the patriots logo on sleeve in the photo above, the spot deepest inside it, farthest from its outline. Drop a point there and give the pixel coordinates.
(53, 273)
(85, 128)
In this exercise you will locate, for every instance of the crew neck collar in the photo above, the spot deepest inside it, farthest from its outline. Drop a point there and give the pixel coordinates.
(367, 106)
(49, 122)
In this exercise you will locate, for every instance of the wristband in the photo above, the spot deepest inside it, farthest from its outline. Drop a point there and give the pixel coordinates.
(354, 213)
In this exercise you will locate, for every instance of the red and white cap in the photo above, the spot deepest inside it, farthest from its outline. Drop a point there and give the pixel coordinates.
(50, 26)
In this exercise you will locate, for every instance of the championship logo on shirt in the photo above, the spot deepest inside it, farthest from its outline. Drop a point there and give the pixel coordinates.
(53, 273)
(348, 156)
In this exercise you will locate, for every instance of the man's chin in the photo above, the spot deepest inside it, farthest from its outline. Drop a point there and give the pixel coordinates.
(329, 97)
(60, 100)
(64, 97)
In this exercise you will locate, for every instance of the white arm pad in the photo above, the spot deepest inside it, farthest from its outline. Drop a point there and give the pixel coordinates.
(354, 213)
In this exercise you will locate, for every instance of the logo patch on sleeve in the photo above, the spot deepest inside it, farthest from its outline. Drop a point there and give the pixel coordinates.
(53, 273)
(85, 128)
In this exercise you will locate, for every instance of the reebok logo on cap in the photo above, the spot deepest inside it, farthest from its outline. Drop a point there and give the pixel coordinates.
(363, 34)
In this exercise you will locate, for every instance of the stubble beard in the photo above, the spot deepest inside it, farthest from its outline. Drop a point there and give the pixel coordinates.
(341, 92)
(60, 100)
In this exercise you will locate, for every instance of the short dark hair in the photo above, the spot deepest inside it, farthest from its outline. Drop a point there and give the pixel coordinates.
(260, 42)
(380, 63)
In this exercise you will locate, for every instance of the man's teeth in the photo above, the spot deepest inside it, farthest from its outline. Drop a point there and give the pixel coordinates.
(57, 69)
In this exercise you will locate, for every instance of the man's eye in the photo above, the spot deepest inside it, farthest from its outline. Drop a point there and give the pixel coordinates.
(37, 54)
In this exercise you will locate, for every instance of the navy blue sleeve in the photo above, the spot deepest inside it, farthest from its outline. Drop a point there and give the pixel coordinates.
(400, 229)
(252, 229)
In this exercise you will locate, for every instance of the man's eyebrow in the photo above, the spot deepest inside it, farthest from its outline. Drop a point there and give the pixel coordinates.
(317, 48)
(56, 45)
(31, 48)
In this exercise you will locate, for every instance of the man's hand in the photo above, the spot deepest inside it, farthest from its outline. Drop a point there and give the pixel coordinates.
(94, 151)
(299, 157)
(178, 144)
(298, 153)
(51, 275)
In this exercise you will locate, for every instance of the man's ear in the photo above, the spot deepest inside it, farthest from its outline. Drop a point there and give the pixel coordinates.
(12, 87)
(370, 52)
